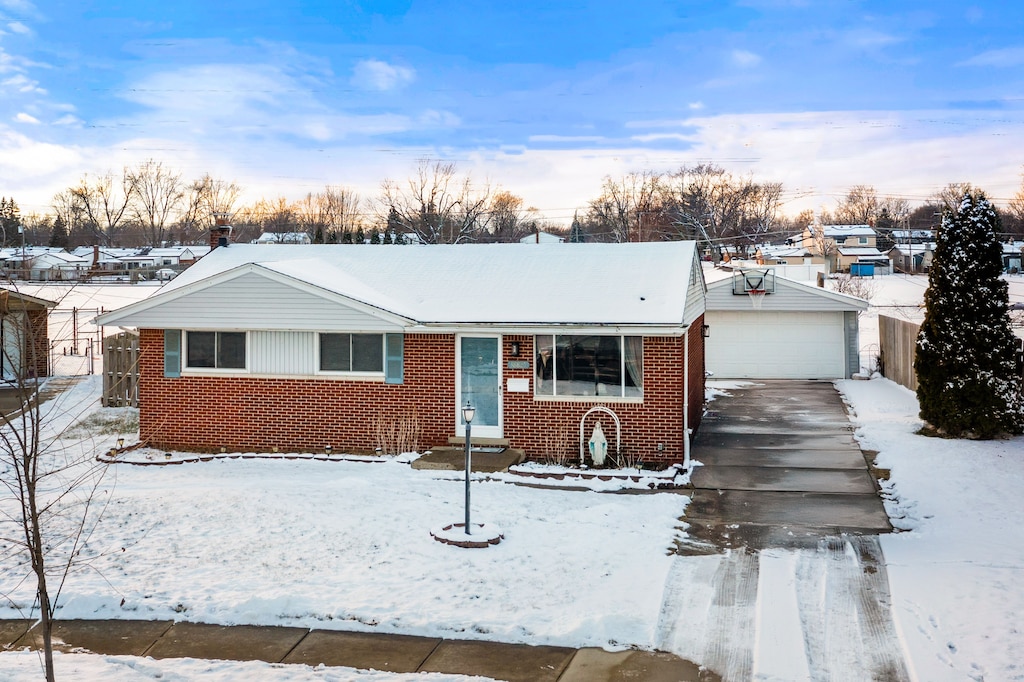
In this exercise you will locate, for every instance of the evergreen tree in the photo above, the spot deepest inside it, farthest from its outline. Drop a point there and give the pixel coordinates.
(375, 237)
(966, 353)
(576, 231)
(10, 218)
(400, 238)
(346, 237)
(360, 237)
(59, 235)
(387, 237)
(318, 236)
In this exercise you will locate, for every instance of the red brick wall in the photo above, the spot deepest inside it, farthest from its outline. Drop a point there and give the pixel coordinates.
(208, 413)
(255, 414)
(37, 354)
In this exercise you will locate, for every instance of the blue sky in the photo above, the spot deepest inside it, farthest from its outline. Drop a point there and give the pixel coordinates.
(541, 98)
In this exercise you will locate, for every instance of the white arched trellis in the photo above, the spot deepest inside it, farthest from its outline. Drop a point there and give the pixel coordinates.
(618, 430)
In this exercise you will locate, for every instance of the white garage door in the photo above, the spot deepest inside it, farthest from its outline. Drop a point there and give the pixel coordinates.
(776, 345)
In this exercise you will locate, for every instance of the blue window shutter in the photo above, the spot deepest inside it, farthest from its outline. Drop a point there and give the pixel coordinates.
(394, 358)
(172, 352)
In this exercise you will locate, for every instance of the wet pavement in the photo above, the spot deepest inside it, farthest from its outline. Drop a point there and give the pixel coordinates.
(780, 468)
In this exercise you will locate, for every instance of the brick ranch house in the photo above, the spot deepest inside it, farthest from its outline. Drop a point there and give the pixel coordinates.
(294, 347)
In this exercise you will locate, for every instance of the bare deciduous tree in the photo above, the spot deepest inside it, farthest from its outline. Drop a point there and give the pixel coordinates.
(628, 209)
(54, 500)
(437, 204)
(104, 202)
(156, 198)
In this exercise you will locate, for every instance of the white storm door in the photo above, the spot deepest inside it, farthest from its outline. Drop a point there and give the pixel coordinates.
(478, 371)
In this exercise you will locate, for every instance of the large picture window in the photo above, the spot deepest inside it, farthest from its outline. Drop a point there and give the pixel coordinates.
(351, 352)
(578, 365)
(215, 350)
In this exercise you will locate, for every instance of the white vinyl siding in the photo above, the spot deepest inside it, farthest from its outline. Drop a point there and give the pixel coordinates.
(252, 300)
(283, 353)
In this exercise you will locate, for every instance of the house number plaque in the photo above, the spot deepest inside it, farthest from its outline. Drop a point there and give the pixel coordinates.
(519, 364)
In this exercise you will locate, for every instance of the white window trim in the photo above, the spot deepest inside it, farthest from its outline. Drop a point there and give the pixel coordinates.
(342, 374)
(187, 370)
(587, 398)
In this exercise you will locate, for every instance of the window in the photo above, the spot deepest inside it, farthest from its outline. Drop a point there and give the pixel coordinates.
(351, 352)
(217, 350)
(862, 240)
(577, 365)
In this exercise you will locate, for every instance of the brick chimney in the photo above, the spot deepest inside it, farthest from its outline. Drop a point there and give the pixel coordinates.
(220, 235)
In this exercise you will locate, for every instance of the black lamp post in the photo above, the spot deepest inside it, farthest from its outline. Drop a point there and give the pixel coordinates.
(468, 412)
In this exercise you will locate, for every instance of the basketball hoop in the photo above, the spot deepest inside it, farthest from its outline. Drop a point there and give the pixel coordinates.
(756, 297)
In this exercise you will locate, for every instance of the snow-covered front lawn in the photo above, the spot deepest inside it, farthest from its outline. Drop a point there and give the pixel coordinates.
(957, 572)
(347, 545)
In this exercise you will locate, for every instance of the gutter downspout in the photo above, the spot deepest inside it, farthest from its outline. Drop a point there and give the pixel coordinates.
(686, 399)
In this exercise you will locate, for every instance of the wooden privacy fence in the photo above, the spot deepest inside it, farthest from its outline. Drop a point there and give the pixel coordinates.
(897, 340)
(121, 370)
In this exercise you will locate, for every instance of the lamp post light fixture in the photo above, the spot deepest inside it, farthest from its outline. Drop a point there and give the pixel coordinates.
(468, 412)
(120, 443)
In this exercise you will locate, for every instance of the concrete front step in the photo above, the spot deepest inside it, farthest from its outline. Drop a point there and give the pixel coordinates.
(783, 479)
(480, 442)
(452, 458)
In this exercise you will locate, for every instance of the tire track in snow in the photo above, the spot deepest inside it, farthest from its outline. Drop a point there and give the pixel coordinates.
(843, 596)
(708, 611)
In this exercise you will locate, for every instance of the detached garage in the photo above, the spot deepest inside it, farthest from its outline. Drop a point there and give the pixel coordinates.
(768, 327)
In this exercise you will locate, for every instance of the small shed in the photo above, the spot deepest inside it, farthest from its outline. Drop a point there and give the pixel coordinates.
(796, 330)
(24, 341)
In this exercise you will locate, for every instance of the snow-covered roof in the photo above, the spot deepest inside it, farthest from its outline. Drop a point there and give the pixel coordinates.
(282, 238)
(780, 251)
(844, 231)
(541, 238)
(62, 257)
(489, 284)
(861, 251)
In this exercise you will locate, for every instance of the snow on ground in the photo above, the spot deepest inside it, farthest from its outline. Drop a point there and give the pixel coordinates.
(25, 666)
(347, 545)
(956, 573)
(70, 323)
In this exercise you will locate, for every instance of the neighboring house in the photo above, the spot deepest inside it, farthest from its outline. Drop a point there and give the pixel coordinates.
(847, 256)
(841, 245)
(283, 238)
(786, 254)
(1012, 256)
(540, 237)
(24, 340)
(912, 257)
(104, 260)
(800, 331)
(58, 266)
(277, 347)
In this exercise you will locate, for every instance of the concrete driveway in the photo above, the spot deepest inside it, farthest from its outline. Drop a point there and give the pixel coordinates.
(781, 468)
(780, 574)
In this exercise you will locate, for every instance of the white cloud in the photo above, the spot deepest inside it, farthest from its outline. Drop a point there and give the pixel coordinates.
(745, 59)
(869, 39)
(18, 27)
(22, 83)
(695, 106)
(1006, 57)
(433, 118)
(22, 117)
(68, 120)
(373, 74)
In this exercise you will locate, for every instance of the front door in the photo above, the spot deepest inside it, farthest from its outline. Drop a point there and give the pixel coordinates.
(478, 366)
